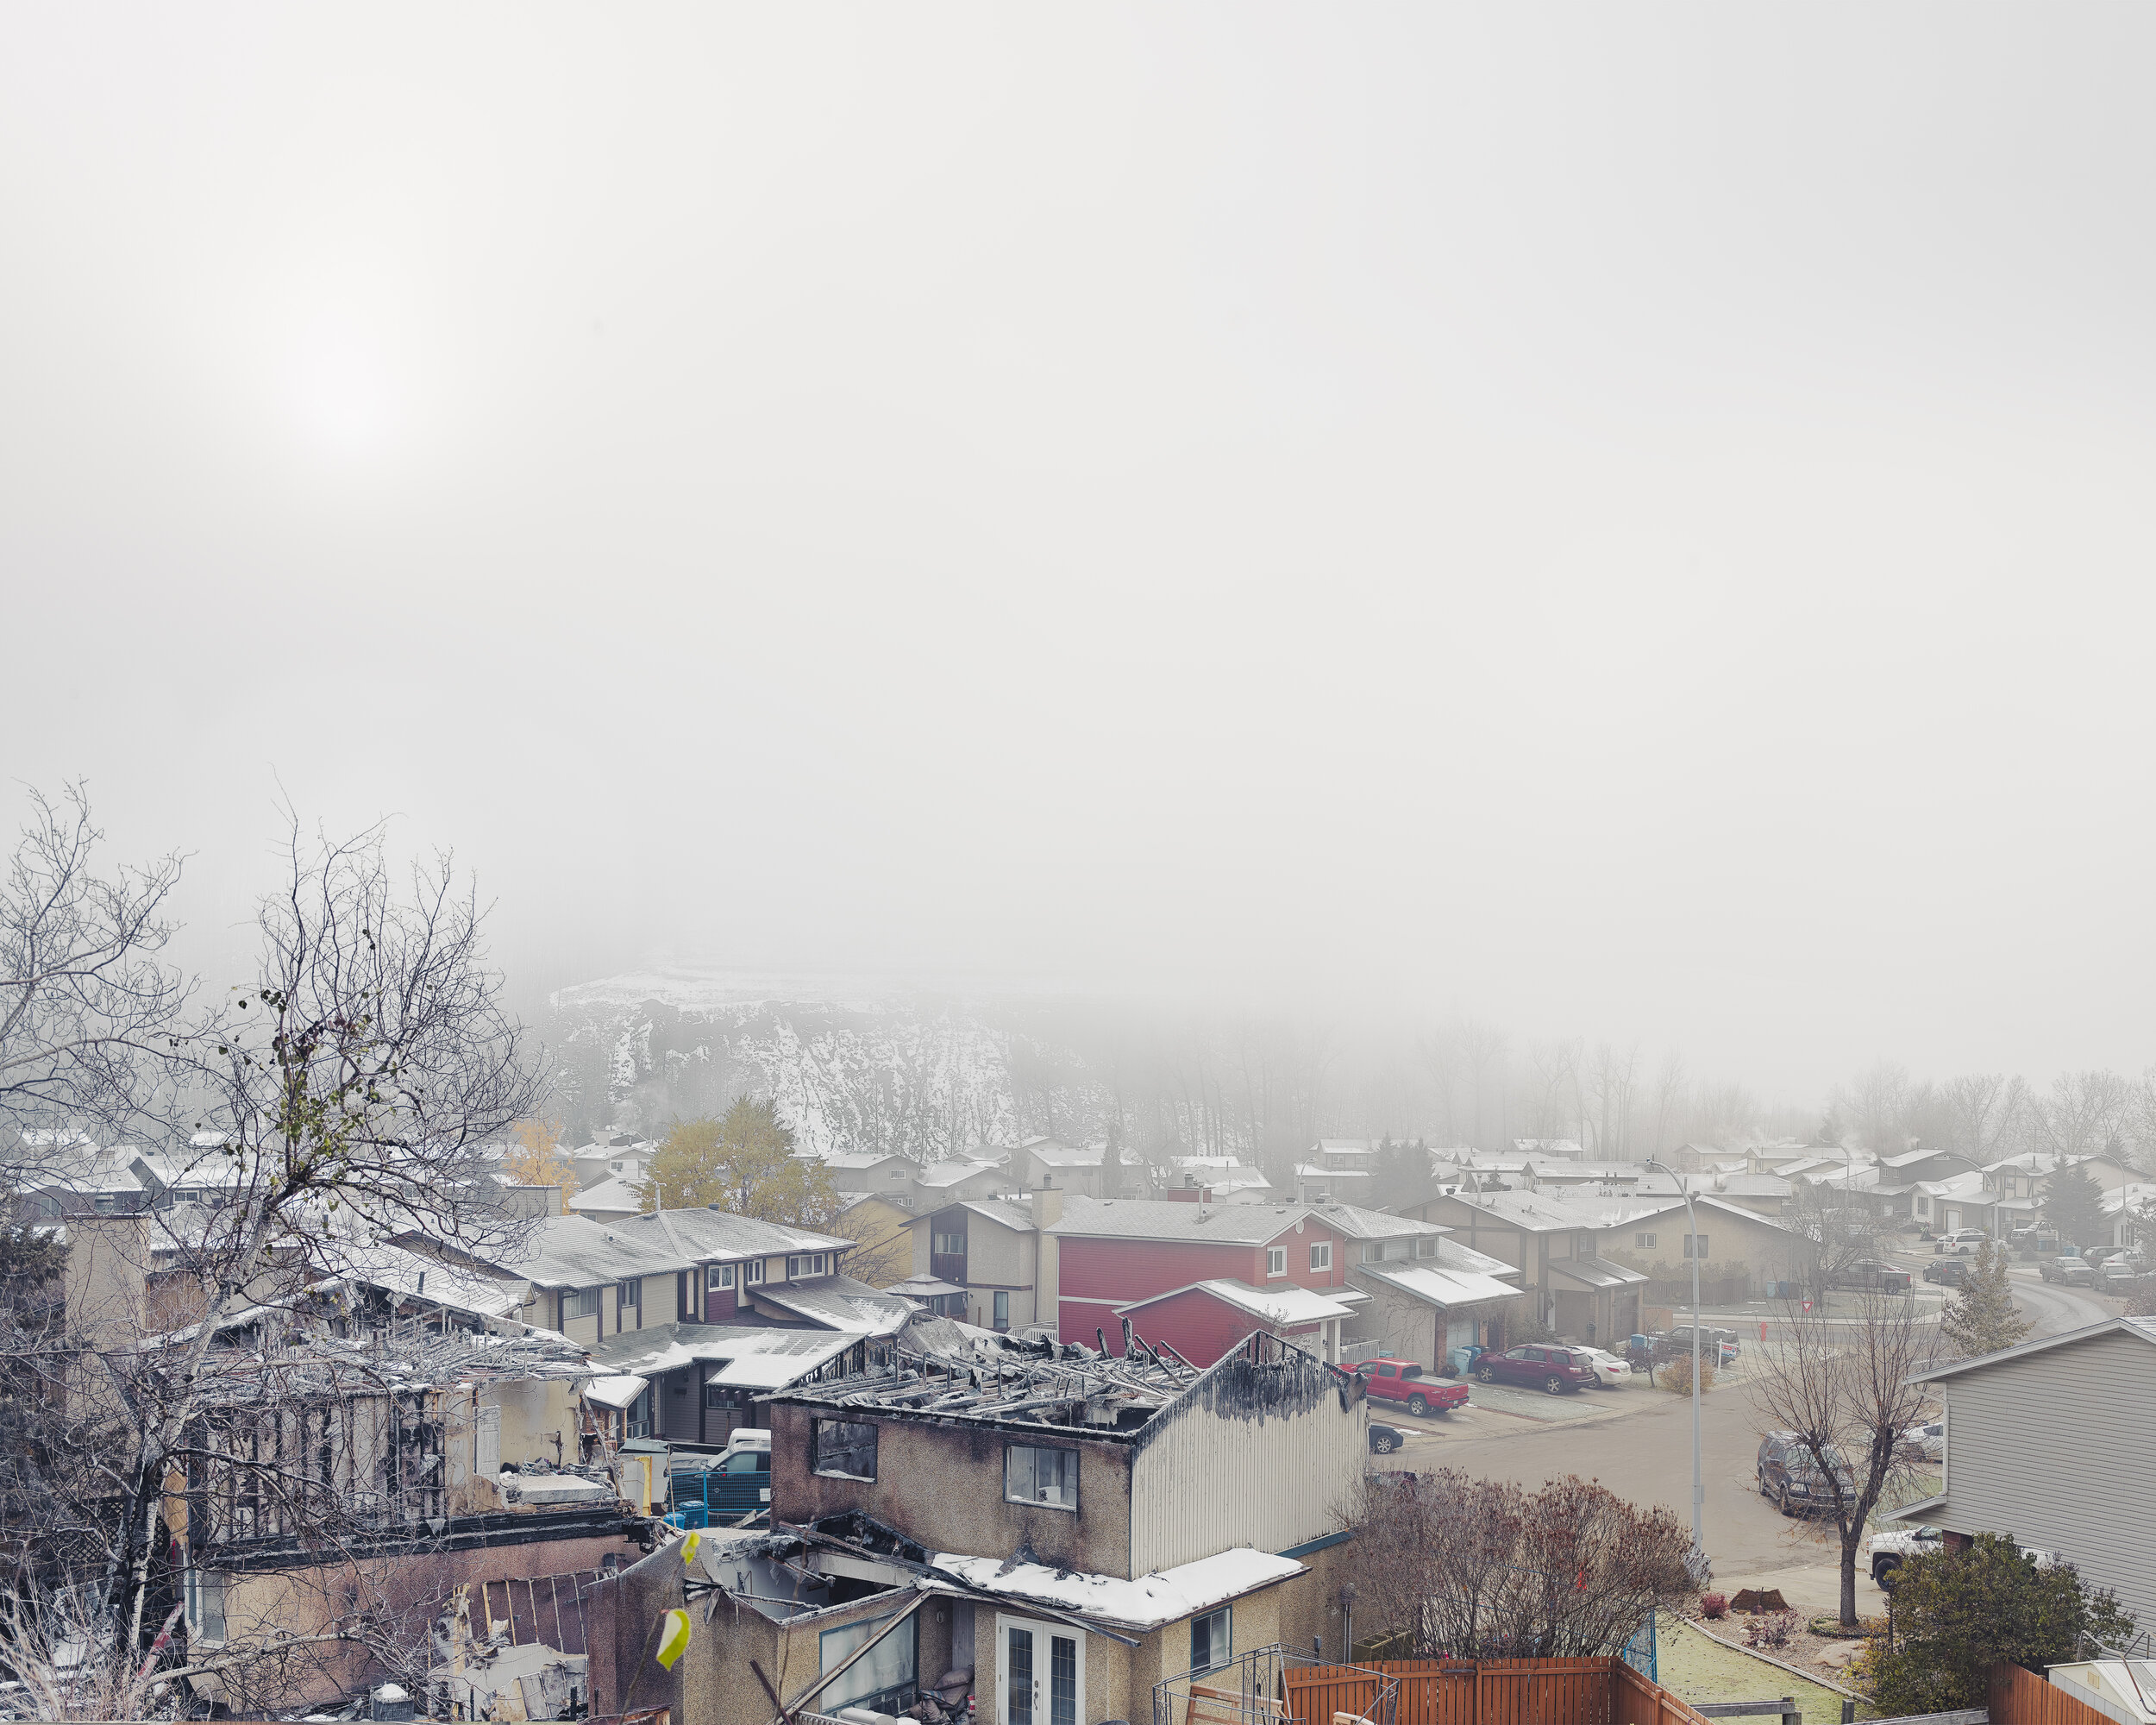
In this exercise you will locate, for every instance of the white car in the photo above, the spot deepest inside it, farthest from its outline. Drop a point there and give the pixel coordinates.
(1928, 1440)
(1961, 1242)
(1610, 1372)
(1886, 1548)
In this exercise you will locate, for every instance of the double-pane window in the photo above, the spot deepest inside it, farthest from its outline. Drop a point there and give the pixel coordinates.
(1032, 1475)
(1212, 1641)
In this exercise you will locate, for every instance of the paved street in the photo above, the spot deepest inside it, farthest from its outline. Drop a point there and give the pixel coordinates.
(1637, 1441)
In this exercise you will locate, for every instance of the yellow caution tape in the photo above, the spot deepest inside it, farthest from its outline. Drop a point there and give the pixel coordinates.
(673, 1640)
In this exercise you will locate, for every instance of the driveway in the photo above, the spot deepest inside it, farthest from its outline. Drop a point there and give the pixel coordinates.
(1638, 1442)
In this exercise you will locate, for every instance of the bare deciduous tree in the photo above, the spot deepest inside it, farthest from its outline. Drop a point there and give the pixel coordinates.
(1840, 1385)
(91, 1019)
(1487, 1570)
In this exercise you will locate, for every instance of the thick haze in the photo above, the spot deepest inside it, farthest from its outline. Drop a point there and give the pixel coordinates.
(1634, 523)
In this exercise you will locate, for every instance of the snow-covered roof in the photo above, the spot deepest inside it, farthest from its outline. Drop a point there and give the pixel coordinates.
(1343, 1146)
(1539, 1211)
(1593, 1272)
(2126, 1197)
(1056, 1154)
(575, 1251)
(923, 1288)
(1001, 1211)
(616, 1392)
(716, 1235)
(410, 1275)
(950, 1173)
(1165, 1597)
(617, 1195)
(1437, 1287)
(1568, 1148)
(1242, 1224)
(1312, 1170)
(856, 1160)
(749, 1356)
(839, 1303)
(1284, 1305)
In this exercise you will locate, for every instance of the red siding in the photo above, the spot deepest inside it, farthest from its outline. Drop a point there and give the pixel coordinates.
(1096, 1275)
(718, 1308)
(1198, 1326)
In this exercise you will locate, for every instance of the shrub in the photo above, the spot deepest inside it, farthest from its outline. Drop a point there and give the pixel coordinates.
(1714, 1605)
(1676, 1376)
(1960, 1613)
(1772, 1630)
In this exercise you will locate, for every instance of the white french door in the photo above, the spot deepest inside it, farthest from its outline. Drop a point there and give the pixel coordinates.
(1040, 1673)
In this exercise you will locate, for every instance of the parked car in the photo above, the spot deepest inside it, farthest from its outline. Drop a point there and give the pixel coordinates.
(1610, 1372)
(2032, 1238)
(1402, 1380)
(1384, 1440)
(2120, 1274)
(1925, 1442)
(709, 1491)
(1791, 1475)
(1949, 1272)
(1874, 1274)
(1962, 1241)
(2070, 1268)
(1718, 1347)
(1558, 1370)
(1887, 1549)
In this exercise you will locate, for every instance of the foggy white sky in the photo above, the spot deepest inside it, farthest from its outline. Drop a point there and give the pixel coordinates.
(1635, 522)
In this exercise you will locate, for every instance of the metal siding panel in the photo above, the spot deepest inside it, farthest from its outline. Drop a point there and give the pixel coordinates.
(1207, 1483)
(2045, 1447)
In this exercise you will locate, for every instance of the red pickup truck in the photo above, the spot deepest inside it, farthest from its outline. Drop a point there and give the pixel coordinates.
(1402, 1380)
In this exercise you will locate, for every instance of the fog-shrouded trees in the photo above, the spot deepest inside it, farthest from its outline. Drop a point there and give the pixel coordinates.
(1981, 1318)
(2073, 1205)
(1840, 1384)
(95, 1032)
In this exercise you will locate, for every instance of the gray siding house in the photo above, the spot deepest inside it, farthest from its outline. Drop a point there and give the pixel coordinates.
(2049, 1442)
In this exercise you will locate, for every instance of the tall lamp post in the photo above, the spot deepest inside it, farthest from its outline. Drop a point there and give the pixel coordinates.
(1698, 1557)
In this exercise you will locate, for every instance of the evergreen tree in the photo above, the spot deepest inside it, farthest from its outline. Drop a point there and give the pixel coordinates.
(2073, 1205)
(1960, 1613)
(1984, 1320)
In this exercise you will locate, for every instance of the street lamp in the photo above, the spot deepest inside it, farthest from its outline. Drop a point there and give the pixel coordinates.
(1697, 1561)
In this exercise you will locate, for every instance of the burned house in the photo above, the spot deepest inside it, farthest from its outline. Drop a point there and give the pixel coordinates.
(357, 1467)
(1051, 1530)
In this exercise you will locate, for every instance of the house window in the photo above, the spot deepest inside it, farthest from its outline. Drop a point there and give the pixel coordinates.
(1003, 1309)
(717, 1277)
(205, 1604)
(1212, 1640)
(796, 1265)
(580, 1302)
(754, 1274)
(718, 1395)
(1644, 1242)
(1696, 1246)
(1321, 1255)
(845, 1449)
(1031, 1475)
(1425, 1245)
(885, 1673)
(629, 1294)
(1276, 1260)
(948, 1245)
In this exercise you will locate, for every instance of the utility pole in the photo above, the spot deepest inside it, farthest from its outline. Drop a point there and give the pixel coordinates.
(1698, 1557)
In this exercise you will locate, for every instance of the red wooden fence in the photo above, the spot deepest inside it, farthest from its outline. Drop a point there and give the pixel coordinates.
(1594, 1691)
(2021, 1698)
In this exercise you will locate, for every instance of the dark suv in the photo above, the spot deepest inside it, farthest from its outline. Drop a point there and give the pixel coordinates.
(1789, 1474)
(1556, 1369)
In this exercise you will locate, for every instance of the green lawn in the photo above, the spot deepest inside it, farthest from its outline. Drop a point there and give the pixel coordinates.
(1698, 1669)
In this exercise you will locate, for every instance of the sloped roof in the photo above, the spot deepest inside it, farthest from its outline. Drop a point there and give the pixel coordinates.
(576, 1252)
(854, 1160)
(717, 1234)
(1288, 1304)
(838, 1303)
(2141, 1329)
(1148, 1603)
(409, 1274)
(1001, 1211)
(950, 1173)
(1593, 1272)
(1536, 1212)
(615, 1195)
(1242, 1224)
(1436, 1287)
(751, 1356)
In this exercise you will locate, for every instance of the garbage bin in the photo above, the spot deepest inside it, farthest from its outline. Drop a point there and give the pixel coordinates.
(1462, 1359)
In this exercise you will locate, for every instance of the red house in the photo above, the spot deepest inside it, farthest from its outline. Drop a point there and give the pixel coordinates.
(1119, 1257)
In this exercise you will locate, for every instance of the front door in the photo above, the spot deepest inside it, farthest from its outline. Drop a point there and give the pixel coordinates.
(1042, 1676)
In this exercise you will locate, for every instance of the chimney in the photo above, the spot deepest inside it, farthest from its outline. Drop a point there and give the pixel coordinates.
(1047, 1204)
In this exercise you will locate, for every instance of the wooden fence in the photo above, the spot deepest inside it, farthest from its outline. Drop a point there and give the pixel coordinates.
(1589, 1691)
(2021, 1698)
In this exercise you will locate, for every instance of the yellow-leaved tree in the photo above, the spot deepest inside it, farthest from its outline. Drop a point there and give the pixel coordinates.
(744, 1163)
(535, 1157)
